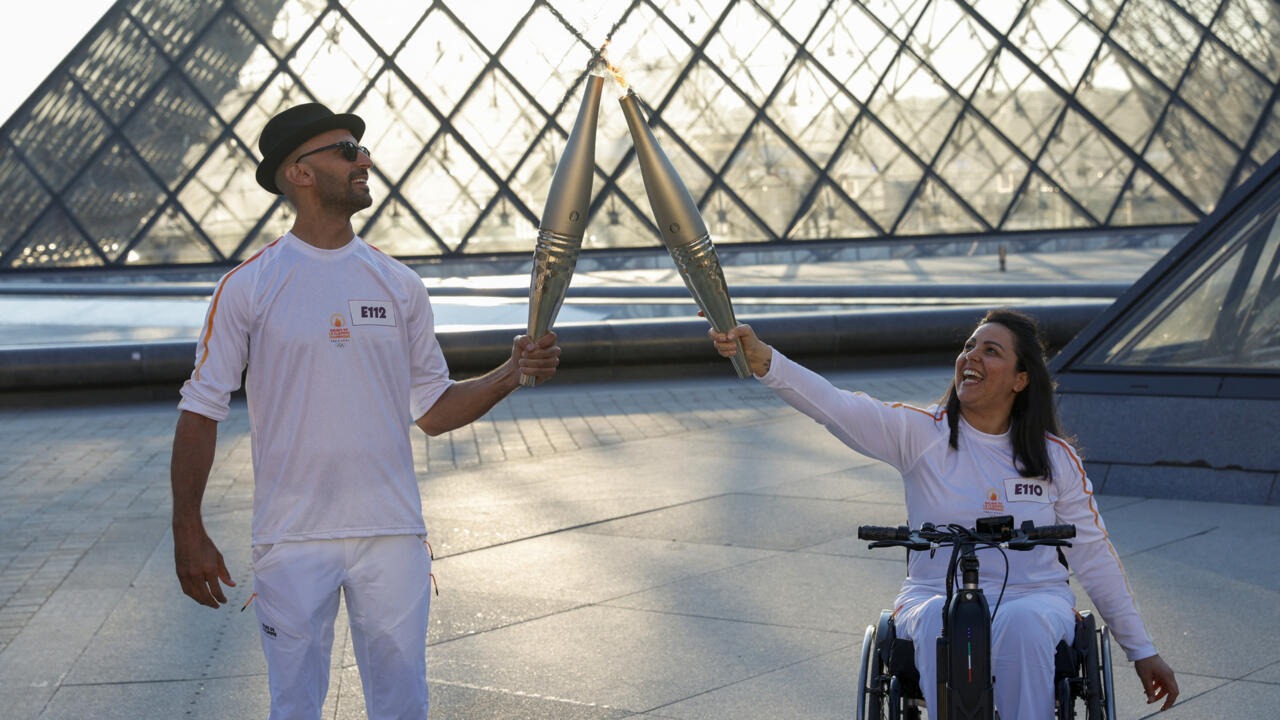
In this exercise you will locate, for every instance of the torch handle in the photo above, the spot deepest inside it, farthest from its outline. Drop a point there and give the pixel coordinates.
(740, 362)
(554, 259)
(699, 266)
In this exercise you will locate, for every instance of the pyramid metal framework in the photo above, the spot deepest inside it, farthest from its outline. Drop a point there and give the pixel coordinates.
(789, 121)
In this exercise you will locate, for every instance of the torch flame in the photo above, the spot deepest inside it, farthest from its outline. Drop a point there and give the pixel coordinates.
(600, 65)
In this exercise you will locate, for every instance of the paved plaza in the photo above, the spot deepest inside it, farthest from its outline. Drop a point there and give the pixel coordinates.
(681, 548)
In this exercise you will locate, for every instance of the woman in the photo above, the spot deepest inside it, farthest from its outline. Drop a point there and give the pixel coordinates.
(991, 447)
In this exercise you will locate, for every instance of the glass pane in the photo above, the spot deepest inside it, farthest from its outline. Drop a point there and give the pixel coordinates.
(114, 197)
(56, 242)
(397, 126)
(876, 172)
(491, 28)
(711, 117)
(1018, 103)
(750, 51)
(1220, 314)
(1158, 36)
(1122, 96)
(1147, 202)
(336, 63)
(853, 48)
(546, 58)
(173, 132)
(59, 134)
(1042, 206)
(118, 68)
(386, 22)
(228, 65)
(449, 188)
(24, 198)
(1226, 92)
(171, 239)
(981, 168)
(1086, 164)
(1251, 27)
(224, 198)
(623, 224)
(954, 45)
(1192, 157)
(398, 230)
(502, 230)
(812, 111)
(730, 221)
(1268, 141)
(279, 92)
(498, 124)
(771, 178)
(281, 22)
(173, 23)
(898, 16)
(934, 211)
(1057, 39)
(441, 61)
(915, 107)
(831, 217)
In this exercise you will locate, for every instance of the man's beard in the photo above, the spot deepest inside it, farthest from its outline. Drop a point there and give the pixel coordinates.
(343, 196)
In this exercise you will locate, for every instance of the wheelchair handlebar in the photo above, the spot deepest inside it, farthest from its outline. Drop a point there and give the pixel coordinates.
(989, 531)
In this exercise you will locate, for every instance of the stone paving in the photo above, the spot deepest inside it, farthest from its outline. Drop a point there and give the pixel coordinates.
(677, 549)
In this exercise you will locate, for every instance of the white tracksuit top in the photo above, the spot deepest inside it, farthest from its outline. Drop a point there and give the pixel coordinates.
(342, 356)
(944, 485)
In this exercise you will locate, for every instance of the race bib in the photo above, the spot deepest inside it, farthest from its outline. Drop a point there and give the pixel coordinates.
(1026, 489)
(372, 312)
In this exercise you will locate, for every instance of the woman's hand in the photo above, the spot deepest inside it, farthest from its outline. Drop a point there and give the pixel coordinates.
(1157, 680)
(759, 355)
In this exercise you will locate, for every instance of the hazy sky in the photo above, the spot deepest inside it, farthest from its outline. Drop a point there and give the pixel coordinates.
(40, 34)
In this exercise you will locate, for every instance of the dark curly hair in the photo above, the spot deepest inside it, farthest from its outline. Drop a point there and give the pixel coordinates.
(1034, 411)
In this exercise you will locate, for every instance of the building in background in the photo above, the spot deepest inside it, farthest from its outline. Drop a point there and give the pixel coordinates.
(789, 121)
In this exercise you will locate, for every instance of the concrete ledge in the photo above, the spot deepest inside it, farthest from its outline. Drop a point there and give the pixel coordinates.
(1186, 483)
(619, 345)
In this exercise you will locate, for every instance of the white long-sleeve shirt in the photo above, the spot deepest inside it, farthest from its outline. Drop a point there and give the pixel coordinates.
(342, 356)
(945, 485)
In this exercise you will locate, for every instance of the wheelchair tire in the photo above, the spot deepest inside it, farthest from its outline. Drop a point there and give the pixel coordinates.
(871, 696)
(1095, 691)
(1066, 700)
(1108, 685)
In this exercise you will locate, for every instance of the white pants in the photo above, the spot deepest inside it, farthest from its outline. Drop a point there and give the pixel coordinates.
(1024, 638)
(387, 584)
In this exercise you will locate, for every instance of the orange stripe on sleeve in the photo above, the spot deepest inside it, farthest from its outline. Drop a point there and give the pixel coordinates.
(213, 308)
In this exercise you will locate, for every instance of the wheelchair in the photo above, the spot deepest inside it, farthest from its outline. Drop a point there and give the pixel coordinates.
(889, 685)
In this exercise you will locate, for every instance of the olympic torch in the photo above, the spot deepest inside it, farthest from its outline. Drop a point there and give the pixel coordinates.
(564, 218)
(683, 230)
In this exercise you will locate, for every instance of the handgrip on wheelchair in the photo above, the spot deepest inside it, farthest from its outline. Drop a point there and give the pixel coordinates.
(877, 533)
(1051, 532)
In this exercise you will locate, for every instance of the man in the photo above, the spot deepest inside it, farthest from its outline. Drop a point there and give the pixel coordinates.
(341, 355)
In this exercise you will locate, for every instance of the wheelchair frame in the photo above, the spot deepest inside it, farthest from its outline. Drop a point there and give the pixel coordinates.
(889, 684)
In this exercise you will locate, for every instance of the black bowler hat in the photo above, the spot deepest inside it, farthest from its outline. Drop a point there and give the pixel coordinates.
(289, 129)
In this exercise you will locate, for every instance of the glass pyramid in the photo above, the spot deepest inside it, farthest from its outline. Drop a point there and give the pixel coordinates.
(1172, 390)
(789, 120)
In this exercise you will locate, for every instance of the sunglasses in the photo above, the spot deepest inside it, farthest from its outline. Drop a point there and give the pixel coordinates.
(350, 150)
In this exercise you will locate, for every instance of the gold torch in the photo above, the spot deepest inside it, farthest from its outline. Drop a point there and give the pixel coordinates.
(564, 218)
(683, 230)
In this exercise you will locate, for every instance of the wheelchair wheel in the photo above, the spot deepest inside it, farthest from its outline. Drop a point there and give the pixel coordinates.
(1108, 686)
(1094, 691)
(1066, 700)
(872, 700)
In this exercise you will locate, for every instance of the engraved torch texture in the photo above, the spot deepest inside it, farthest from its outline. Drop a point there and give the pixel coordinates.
(564, 218)
(683, 230)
